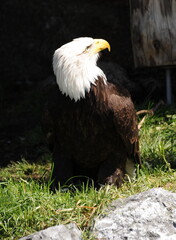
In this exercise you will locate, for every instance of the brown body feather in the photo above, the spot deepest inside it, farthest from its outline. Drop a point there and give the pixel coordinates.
(94, 136)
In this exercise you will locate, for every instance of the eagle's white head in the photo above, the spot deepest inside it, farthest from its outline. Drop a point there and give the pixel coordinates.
(75, 65)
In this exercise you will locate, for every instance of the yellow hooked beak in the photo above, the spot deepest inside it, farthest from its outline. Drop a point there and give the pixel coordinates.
(99, 45)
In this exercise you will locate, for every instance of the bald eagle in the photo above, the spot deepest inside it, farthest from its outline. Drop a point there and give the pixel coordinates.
(90, 123)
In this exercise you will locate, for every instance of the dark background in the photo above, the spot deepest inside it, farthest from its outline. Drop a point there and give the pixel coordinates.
(29, 34)
(32, 30)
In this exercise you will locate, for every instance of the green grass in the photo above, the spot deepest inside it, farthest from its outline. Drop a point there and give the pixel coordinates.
(27, 205)
(158, 139)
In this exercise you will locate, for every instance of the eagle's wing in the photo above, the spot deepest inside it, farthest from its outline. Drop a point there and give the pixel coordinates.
(125, 120)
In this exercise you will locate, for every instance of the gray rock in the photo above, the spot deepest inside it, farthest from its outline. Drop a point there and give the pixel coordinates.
(145, 216)
(60, 232)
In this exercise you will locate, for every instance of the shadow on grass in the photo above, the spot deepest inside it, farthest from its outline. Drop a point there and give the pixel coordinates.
(20, 124)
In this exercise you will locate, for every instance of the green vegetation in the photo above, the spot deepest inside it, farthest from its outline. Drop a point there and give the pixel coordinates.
(27, 205)
(158, 139)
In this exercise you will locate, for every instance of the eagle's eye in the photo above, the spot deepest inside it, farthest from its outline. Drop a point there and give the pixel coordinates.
(87, 48)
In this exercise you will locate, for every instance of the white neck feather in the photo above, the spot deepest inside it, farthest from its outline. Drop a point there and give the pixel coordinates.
(75, 73)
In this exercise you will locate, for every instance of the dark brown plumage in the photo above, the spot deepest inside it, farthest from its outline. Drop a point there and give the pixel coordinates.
(93, 136)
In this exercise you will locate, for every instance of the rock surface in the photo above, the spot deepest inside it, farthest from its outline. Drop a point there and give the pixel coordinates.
(145, 216)
(150, 215)
(60, 232)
